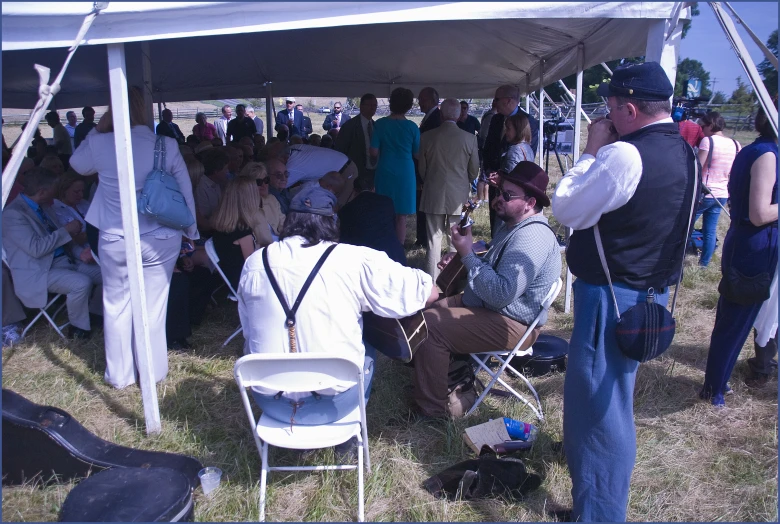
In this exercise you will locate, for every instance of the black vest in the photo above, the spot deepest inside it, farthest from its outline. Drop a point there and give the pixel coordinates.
(644, 240)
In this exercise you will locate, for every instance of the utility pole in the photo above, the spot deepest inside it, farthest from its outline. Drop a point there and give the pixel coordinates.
(714, 81)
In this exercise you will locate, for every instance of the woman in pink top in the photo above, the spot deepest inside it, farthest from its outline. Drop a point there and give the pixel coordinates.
(203, 130)
(716, 154)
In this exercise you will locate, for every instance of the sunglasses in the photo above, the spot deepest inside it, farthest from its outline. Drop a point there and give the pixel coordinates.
(261, 181)
(288, 102)
(507, 196)
(336, 108)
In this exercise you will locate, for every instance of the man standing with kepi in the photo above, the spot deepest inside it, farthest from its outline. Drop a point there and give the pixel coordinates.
(448, 162)
(635, 180)
(354, 139)
(222, 123)
(507, 99)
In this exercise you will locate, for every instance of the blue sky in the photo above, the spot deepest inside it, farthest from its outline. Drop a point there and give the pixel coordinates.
(706, 41)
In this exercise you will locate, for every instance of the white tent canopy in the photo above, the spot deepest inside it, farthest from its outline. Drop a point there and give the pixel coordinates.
(207, 51)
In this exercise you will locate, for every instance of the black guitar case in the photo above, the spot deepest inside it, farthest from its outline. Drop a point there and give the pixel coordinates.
(130, 495)
(549, 356)
(47, 441)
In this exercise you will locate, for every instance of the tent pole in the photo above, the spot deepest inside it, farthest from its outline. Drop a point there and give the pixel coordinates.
(576, 156)
(541, 111)
(120, 109)
(269, 112)
(527, 94)
(747, 63)
(146, 69)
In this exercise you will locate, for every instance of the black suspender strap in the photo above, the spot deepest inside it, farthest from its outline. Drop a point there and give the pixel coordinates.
(290, 313)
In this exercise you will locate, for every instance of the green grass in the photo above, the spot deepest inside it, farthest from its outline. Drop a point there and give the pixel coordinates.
(693, 462)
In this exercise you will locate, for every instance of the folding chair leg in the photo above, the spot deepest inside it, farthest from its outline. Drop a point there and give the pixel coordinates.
(361, 516)
(231, 337)
(263, 481)
(521, 398)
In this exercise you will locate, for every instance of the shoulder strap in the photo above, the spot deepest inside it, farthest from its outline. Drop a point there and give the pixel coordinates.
(736, 145)
(709, 154)
(290, 313)
(506, 242)
(159, 150)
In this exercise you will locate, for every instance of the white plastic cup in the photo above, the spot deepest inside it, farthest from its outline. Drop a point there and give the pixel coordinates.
(209, 479)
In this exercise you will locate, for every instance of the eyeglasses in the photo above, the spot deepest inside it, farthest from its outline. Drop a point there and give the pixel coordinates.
(281, 175)
(507, 196)
(261, 181)
(288, 102)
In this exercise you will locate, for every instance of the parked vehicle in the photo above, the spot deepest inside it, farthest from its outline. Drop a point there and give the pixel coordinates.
(324, 109)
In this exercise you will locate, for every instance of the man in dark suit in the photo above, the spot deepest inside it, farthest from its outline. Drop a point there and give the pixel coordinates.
(428, 100)
(354, 139)
(306, 129)
(507, 100)
(336, 119)
(168, 128)
(290, 117)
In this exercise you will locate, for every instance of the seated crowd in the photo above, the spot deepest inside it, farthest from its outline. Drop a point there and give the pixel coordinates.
(331, 212)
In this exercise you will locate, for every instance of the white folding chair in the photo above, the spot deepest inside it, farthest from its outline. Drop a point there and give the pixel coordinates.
(505, 357)
(232, 295)
(44, 312)
(303, 372)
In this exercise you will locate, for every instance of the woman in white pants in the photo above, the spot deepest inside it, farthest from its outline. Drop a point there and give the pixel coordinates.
(160, 246)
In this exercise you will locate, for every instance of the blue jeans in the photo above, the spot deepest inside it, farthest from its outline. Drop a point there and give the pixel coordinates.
(710, 209)
(314, 410)
(599, 436)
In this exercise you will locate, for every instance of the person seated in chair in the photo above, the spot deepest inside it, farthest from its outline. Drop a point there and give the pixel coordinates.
(39, 255)
(505, 288)
(351, 280)
(368, 219)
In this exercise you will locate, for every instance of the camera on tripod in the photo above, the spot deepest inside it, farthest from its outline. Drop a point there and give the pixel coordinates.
(552, 124)
(687, 109)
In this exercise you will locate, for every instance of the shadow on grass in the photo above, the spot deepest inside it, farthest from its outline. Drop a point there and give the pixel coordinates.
(85, 381)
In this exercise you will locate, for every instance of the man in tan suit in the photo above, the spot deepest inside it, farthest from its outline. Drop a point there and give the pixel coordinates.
(39, 258)
(448, 162)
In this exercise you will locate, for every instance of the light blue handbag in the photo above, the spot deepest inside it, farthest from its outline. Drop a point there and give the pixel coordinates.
(161, 196)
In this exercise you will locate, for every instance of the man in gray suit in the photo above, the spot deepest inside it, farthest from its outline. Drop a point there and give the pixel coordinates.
(38, 254)
(354, 139)
(448, 162)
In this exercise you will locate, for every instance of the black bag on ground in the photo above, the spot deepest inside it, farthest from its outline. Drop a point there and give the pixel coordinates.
(484, 477)
(47, 441)
(130, 495)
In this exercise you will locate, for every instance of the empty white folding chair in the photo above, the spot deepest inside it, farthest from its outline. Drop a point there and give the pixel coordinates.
(505, 357)
(44, 312)
(232, 295)
(303, 372)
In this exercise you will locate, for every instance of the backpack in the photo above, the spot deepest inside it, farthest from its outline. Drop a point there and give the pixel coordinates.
(161, 197)
(461, 386)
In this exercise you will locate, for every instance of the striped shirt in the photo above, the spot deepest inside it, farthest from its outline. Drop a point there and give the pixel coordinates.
(515, 285)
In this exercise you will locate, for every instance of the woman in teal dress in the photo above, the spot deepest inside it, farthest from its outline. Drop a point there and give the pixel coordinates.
(395, 140)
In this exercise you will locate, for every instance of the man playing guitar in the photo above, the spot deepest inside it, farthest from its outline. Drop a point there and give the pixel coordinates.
(505, 287)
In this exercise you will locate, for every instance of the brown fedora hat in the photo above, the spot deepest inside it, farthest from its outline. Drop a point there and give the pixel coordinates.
(532, 178)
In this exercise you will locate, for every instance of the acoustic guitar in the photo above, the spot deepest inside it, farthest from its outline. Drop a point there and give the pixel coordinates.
(453, 274)
(397, 338)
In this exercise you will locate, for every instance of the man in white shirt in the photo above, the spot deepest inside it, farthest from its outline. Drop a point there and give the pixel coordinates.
(60, 135)
(351, 281)
(308, 164)
(70, 127)
(635, 181)
(222, 123)
(354, 139)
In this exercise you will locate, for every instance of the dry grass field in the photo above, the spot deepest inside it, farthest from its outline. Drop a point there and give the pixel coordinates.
(694, 462)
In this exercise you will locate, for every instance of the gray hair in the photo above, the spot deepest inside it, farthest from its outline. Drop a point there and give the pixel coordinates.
(450, 109)
(249, 109)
